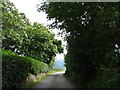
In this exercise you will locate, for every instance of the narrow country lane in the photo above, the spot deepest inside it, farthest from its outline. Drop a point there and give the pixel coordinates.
(56, 80)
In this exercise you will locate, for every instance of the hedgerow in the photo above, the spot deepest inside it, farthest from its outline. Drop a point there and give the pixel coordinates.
(15, 69)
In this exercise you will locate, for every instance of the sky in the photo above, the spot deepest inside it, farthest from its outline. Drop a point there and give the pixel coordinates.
(29, 7)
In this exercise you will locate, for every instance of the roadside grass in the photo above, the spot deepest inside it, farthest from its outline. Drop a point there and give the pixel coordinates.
(54, 71)
(35, 82)
(44, 77)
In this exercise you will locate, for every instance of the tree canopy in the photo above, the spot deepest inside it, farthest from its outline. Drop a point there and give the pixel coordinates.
(93, 38)
(28, 39)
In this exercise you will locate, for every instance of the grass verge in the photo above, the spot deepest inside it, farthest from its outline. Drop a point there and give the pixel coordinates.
(37, 81)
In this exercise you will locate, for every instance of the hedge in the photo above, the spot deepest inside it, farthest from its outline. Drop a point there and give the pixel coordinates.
(15, 69)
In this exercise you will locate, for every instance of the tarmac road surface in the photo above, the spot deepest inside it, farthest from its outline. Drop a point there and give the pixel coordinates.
(56, 80)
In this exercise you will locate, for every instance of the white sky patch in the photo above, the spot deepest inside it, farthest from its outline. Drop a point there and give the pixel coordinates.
(59, 57)
(29, 7)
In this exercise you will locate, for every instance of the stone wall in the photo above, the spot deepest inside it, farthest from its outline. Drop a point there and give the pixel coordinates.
(31, 78)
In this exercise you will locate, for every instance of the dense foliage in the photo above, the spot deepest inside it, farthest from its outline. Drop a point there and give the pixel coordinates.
(27, 39)
(93, 38)
(15, 69)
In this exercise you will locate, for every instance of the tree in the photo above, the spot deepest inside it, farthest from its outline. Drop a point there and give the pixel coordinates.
(24, 38)
(93, 30)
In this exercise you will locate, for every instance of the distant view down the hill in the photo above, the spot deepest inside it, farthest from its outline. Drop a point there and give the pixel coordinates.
(59, 64)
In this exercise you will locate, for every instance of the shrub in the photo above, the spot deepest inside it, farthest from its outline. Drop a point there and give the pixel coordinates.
(106, 79)
(15, 69)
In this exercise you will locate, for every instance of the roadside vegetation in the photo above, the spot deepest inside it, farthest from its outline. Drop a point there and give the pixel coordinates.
(28, 49)
(16, 69)
(92, 32)
(20, 71)
(43, 77)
